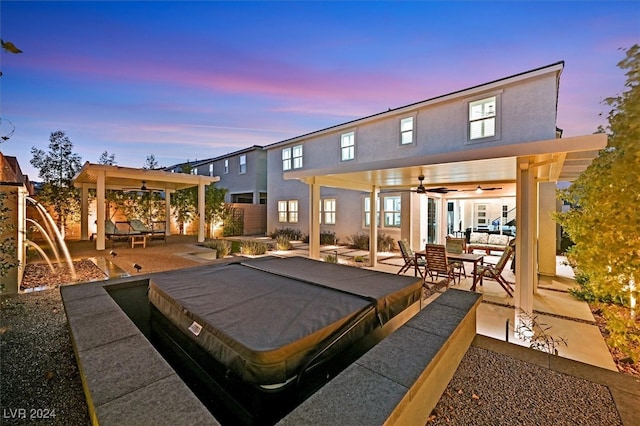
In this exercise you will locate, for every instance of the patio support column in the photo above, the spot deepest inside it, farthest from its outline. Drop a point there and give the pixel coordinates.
(314, 219)
(373, 227)
(526, 237)
(84, 212)
(443, 231)
(547, 229)
(100, 214)
(167, 212)
(201, 212)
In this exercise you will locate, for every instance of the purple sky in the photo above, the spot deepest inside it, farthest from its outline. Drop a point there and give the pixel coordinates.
(187, 81)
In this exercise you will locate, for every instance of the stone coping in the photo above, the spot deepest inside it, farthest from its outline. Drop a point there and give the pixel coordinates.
(401, 379)
(126, 381)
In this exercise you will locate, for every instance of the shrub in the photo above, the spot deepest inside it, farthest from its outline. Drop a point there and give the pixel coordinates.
(331, 258)
(328, 238)
(359, 241)
(385, 242)
(222, 247)
(359, 259)
(253, 248)
(290, 233)
(283, 243)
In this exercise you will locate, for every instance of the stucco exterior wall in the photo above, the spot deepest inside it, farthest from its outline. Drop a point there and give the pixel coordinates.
(526, 112)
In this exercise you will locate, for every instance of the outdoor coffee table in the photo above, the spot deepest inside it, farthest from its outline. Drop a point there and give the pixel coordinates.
(139, 240)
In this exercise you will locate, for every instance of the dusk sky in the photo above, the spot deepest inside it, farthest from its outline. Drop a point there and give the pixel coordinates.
(195, 80)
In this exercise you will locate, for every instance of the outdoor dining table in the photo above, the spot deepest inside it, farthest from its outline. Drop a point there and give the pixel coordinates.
(464, 257)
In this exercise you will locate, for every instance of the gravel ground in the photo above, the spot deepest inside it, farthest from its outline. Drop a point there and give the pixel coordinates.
(492, 389)
(39, 378)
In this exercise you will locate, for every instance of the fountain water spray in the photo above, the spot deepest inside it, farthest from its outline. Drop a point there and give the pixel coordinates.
(53, 231)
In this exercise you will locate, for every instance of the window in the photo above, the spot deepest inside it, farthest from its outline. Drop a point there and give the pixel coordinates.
(292, 157)
(211, 169)
(482, 118)
(367, 212)
(297, 157)
(288, 211)
(348, 146)
(226, 166)
(328, 211)
(243, 164)
(392, 211)
(194, 171)
(406, 131)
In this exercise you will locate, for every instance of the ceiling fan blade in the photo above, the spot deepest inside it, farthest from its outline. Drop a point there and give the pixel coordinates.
(441, 190)
(490, 189)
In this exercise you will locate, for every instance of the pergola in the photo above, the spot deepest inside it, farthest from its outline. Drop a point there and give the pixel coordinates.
(529, 171)
(102, 177)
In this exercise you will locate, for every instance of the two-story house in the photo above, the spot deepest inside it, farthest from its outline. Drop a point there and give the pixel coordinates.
(467, 159)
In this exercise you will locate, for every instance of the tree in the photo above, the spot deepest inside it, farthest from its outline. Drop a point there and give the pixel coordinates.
(151, 163)
(604, 222)
(107, 159)
(57, 167)
(213, 205)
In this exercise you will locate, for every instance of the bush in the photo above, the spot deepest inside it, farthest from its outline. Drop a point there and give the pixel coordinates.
(290, 233)
(283, 243)
(385, 242)
(222, 247)
(328, 238)
(359, 241)
(331, 258)
(253, 248)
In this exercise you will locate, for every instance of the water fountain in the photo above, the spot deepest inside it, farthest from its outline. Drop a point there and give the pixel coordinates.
(53, 237)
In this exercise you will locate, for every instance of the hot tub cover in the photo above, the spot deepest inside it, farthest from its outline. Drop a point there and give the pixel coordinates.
(262, 319)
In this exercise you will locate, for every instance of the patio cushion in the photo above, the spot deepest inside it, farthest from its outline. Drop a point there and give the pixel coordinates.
(479, 238)
(499, 240)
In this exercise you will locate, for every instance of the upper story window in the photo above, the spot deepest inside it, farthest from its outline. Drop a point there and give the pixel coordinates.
(194, 171)
(482, 118)
(243, 164)
(226, 166)
(348, 146)
(292, 157)
(406, 131)
(211, 169)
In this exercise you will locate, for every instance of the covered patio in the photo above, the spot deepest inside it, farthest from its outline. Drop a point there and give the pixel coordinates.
(101, 177)
(528, 171)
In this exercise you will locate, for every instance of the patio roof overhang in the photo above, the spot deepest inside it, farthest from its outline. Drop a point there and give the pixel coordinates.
(554, 160)
(122, 178)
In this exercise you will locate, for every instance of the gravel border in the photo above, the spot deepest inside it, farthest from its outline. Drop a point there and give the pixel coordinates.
(39, 376)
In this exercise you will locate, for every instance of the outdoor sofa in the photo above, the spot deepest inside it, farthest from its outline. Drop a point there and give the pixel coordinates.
(487, 242)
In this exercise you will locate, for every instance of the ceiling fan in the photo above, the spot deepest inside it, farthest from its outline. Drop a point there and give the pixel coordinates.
(143, 188)
(421, 189)
(479, 189)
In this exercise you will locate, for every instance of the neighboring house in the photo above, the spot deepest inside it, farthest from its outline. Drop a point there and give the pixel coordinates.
(15, 188)
(243, 174)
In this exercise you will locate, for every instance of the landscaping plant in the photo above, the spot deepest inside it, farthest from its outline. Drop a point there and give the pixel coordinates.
(604, 221)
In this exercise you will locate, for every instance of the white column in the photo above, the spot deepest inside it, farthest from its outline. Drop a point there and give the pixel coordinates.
(314, 220)
(442, 212)
(201, 212)
(526, 237)
(547, 229)
(373, 226)
(100, 216)
(167, 212)
(84, 212)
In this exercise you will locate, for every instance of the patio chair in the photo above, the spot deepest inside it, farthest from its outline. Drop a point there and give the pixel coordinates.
(457, 246)
(117, 231)
(410, 260)
(494, 272)
(437, 263)
(153, 232)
